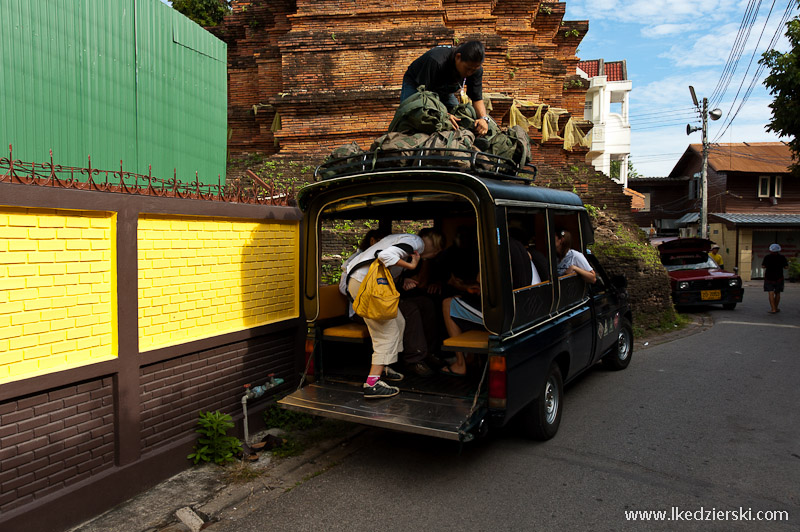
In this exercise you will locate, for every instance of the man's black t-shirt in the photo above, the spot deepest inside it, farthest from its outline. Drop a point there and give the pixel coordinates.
(773, 265)
(436, 69)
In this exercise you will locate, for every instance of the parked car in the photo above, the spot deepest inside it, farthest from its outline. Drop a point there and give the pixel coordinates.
(694, 276)
(536, 338)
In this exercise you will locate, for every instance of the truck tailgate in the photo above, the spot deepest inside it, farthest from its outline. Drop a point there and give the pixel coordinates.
(420, 413)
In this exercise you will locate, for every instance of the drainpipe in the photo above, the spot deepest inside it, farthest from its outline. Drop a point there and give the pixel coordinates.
(255, 393)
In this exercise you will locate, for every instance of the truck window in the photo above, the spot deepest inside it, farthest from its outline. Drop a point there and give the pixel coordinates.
(571, 288)
(535, 301)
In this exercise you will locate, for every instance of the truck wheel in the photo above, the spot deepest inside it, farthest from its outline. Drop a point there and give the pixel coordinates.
(541, 418)
(729, 306)
(621, 356)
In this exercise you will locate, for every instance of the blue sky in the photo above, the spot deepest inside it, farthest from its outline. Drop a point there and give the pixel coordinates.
(671, 44)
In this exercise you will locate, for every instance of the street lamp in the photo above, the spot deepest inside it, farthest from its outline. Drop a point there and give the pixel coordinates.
(715, 115)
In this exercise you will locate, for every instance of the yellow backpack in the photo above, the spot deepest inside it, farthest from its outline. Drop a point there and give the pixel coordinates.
(377, 296)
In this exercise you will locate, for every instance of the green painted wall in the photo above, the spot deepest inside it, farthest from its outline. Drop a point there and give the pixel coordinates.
(129, 80)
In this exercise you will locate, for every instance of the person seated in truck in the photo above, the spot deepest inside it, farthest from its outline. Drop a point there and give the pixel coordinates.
(463, 312)
(397, 252)
(572, 261)
(446, 71)
(421, 335)
(539, 263)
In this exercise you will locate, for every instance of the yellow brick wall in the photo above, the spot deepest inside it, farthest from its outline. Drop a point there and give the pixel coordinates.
(57, 290)
(201, 277)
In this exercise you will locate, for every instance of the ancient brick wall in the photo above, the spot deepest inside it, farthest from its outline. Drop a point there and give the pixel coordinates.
(332, 70)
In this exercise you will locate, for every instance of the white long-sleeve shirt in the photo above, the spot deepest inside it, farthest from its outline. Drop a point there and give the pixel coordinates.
(389, 254)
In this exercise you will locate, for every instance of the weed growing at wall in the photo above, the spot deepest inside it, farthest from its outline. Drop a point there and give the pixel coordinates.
(214, 444)
(302, 430)
(276, 417)
(628, 246)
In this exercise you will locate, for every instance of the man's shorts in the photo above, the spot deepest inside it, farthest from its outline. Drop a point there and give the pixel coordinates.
(773, 286)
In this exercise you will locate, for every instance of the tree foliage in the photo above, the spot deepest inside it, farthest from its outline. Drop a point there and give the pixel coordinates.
(617, 165)
(783, 82)
(204, 12)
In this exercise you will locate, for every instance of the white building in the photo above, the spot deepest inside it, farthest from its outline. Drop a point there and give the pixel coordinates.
(607, 108)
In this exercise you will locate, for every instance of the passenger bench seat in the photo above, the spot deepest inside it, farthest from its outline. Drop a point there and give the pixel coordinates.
(332, 304)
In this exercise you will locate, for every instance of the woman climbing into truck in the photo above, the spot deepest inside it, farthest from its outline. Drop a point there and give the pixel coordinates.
(397, 252)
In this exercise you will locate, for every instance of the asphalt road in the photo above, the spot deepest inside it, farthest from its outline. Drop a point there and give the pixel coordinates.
(709, 422)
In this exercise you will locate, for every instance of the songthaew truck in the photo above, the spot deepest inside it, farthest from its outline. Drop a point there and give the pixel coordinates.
(534, 339)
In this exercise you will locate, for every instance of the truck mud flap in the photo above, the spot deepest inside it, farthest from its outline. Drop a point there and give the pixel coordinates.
(419, 413)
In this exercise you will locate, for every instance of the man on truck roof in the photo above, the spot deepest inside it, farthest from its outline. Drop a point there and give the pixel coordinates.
(446, 70)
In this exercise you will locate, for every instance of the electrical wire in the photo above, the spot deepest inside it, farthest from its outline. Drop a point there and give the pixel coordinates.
(737, 49)
(757, 74)
(755, 49)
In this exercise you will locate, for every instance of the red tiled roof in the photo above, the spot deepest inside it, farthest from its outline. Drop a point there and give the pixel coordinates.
(764, 157)
(591, 67)
(614, 70)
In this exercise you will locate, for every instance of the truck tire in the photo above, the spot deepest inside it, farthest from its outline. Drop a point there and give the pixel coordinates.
(621, 356)
(541, 418)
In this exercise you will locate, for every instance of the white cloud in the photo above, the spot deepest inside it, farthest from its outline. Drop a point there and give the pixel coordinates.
(644, 11)
(664, 30)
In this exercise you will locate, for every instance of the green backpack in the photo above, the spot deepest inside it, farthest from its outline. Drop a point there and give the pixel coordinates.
(422, 112)
(513, 144)
(463, 139)
(331, 167)
(401, 148)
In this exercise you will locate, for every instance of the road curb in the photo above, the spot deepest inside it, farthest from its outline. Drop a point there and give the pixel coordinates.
(700, 322)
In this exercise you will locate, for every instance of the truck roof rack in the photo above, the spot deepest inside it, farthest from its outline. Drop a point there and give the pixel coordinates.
(474, 162)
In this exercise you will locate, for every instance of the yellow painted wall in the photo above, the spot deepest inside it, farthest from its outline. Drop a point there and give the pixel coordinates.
(57, 290)
(201, 277)
(746, 254)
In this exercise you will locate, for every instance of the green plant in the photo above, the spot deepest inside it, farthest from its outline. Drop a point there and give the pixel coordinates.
(592, 210)
(571, 33)
(333, 36)
(240, 473)
(290, 447)
(275, 417)
(546, 10)
(513, 73)
(794, 269)
(214, 444)
(573, 84)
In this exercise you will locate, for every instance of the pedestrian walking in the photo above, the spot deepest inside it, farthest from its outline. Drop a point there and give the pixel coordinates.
(773, 265)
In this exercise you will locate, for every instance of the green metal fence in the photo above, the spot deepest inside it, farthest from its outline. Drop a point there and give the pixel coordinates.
(129, 80)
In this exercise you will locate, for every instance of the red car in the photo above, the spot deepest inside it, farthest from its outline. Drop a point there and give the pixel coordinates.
(694, 276)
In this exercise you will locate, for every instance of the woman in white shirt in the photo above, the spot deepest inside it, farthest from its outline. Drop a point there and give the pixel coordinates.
(397, 252)
(571, 261)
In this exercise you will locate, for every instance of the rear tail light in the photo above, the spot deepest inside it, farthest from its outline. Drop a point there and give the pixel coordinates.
(497, 381)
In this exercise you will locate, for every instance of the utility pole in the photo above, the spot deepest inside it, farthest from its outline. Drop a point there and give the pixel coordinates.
(704, 175)
(715, 115)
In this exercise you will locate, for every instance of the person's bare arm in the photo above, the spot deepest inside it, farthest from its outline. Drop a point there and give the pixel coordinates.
(587, 275)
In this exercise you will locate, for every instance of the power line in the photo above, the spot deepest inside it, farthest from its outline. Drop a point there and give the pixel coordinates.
(755, 49)
(736, 51)
(757, 74)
